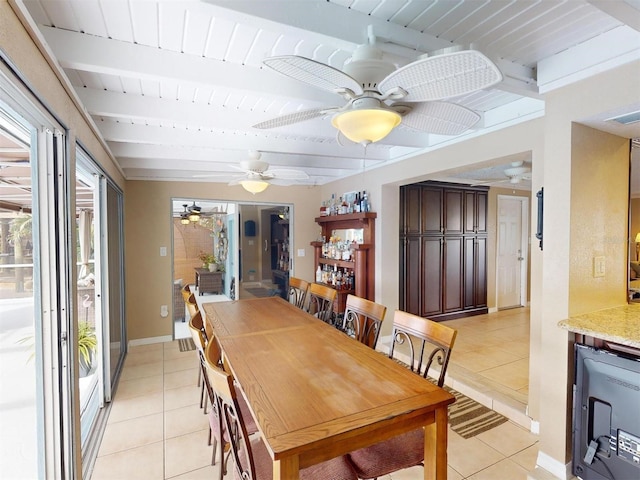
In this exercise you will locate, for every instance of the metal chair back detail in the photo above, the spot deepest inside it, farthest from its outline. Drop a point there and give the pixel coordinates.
(362, 320)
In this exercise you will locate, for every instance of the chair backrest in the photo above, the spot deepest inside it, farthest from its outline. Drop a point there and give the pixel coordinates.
(198, 332)
(362, 319)
(298, 291)
(222, 384)
(192, 305)
(186, 292)
(321, 300)
(418, 333)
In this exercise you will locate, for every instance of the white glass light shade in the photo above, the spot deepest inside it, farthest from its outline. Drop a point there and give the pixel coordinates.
(366, 125)
(184, 220)
(194, 217)
(254, 186)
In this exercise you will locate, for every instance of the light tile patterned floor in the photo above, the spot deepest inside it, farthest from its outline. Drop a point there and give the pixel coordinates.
(156, 429)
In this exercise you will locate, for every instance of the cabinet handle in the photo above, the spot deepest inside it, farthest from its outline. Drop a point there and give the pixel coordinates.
(266, 247)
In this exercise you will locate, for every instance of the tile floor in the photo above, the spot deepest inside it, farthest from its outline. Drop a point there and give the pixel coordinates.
(156, 429)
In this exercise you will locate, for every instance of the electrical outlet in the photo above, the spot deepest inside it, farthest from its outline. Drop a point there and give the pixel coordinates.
(599, 266)
(164, 311)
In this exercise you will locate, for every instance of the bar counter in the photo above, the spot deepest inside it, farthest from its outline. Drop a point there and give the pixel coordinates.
(618, 324)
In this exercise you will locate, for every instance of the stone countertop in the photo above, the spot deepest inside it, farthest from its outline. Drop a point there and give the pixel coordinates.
(618, 324)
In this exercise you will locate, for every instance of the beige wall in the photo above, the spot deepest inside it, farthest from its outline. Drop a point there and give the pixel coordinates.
(599, 170)
(148, 226)
(578, 195)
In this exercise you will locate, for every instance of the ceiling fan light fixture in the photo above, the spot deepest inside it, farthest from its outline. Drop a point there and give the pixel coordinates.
(184, 220)
(194, 217)
(254, 186)
(367, 125)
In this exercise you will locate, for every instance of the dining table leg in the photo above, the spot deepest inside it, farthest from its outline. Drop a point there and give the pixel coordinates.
(435, 446)
(286, 469)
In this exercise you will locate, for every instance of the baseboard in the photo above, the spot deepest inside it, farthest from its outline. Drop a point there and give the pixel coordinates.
(535, 427)
(554, 467)
(150, 340)
(493, 309)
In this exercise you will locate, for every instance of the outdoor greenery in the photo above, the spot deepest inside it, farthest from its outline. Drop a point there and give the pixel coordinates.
(87, 341)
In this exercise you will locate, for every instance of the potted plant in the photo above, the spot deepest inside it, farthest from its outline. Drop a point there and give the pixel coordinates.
(87, 343)
(208, 261)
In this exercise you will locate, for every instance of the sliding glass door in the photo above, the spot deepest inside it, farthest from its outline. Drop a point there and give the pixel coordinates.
(99, 297)
(36, 400)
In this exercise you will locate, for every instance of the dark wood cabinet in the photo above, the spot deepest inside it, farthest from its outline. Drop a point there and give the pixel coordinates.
(443, 250)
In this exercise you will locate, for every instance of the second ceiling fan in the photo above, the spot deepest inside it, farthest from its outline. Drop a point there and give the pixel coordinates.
(379, 96)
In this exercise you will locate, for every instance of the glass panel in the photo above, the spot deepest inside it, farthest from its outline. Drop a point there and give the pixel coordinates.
(20, 396)
(87, 299)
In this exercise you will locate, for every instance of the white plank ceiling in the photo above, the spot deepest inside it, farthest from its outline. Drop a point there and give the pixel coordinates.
(174, 87)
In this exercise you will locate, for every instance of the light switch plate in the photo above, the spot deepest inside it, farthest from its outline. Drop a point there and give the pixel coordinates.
(163, 251)
(301, 252)
(599, 266)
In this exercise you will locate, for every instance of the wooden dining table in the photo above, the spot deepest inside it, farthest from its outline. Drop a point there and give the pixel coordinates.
(316, 393)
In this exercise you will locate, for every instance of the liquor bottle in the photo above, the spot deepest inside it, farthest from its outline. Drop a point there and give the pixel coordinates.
(356, 205)
(318, 275)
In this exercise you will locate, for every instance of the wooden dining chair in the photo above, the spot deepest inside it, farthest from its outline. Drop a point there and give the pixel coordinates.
(298, 291)
(320, 302)
(251, 460)
(192, 305)
(186, 291)
(200, 339)
(416, 334)
(217, 433)
(362, 319)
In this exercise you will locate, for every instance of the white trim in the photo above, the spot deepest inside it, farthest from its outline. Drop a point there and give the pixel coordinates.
(553, 466)
(493, 309)
(535, 425)
(150, 340)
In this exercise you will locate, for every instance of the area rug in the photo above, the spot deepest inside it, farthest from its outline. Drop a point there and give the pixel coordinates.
(186, 344)
(261, 292)
(467, 417)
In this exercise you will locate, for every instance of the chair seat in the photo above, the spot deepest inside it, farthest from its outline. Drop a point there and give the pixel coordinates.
(403, 451)
(334, 469)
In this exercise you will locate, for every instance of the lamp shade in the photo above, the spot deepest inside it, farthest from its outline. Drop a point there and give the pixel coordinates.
(194, 217)
(254, 186)
(638, 237)
(366, 125)
(184, 220)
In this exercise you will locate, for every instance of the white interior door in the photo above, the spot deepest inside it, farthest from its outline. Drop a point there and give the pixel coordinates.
(511, 268)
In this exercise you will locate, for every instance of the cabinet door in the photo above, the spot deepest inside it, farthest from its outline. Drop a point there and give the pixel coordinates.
(452, 281)
(432, 211)
(410, 210)
(475, 212)
(453, 212)
(432, 274)
(410, 274)
(481, 272)
(475, 272)
(481, 212)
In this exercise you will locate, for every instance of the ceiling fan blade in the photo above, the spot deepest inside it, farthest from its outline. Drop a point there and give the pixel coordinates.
(443, 76)
(287, 174)
(295, 117)
(213, 175)
(441, 118)
(314, 73)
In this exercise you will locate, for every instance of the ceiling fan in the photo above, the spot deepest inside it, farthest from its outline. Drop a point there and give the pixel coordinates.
(379, 96)
(516, 173)
(256, 175)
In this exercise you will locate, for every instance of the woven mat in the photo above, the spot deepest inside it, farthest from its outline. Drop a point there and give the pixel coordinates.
(186, 344)
(262, 292)
(467, 417)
